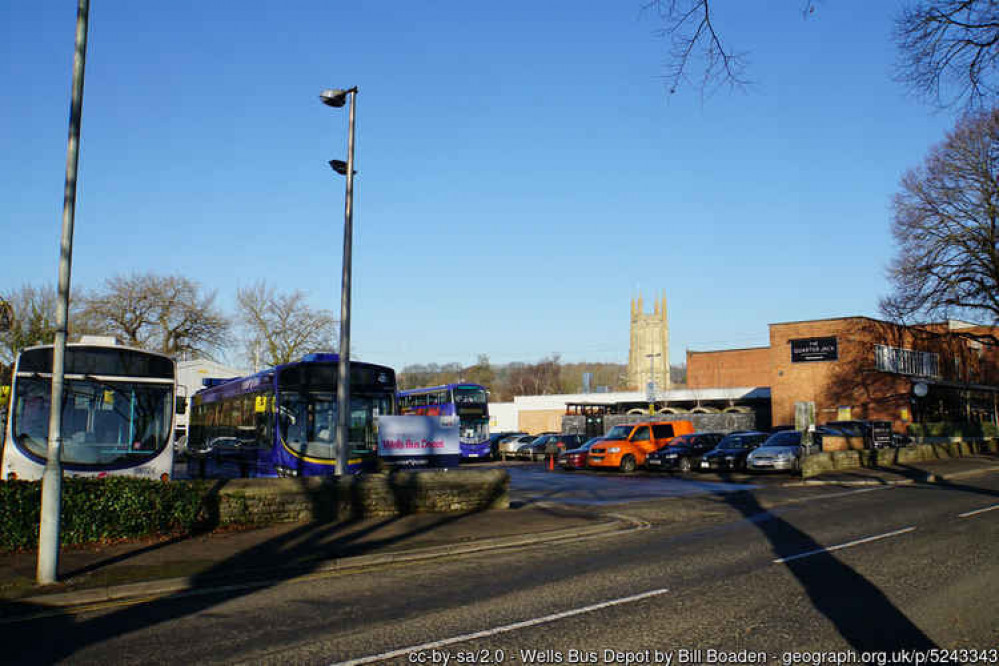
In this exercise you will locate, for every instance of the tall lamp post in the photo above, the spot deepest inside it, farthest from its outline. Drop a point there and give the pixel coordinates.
(48, 529)
(337, 98)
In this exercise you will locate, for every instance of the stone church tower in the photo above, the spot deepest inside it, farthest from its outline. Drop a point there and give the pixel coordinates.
(649, 336)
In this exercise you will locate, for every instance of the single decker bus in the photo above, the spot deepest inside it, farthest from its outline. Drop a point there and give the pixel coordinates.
(282, 421)
(117, 412)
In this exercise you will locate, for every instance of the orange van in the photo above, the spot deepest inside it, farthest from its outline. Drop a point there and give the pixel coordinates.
(625, 446)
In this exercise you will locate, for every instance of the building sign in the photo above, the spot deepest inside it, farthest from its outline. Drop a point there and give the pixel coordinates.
(807, 350)
(418, 441)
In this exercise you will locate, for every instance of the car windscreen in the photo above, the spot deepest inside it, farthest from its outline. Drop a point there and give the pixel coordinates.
(784, 438)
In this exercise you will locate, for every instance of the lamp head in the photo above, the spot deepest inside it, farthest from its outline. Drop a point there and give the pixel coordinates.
(340, 167)
(334, 97)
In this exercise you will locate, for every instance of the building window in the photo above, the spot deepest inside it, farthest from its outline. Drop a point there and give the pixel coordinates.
(906, 361)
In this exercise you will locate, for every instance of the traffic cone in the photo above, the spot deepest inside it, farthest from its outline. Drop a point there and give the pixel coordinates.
(551, 463)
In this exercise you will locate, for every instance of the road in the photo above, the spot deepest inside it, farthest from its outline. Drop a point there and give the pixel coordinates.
(824, 569)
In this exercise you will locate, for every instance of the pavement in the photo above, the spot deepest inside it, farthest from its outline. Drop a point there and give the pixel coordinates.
(256, 557)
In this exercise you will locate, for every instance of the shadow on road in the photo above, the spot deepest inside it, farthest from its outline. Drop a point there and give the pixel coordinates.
(34, 634)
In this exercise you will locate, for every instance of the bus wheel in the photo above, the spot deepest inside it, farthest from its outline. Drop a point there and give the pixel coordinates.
(628, 463)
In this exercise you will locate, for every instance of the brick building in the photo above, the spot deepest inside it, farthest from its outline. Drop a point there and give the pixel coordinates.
(863, 368)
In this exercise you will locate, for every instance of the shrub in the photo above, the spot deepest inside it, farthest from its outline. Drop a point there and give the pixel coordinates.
(953, 429)
(101, 509)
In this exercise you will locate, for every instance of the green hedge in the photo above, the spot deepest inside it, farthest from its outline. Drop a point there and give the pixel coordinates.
(953, 429)
(95, 510)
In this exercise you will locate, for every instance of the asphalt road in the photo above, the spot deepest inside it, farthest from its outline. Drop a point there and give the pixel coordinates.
(864, 570)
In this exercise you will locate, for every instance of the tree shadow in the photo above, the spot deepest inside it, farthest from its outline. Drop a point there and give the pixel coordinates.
(37, 634)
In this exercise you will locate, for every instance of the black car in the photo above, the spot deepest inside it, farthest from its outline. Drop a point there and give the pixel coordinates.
(684, 452)
(731, 452)
(549, 445)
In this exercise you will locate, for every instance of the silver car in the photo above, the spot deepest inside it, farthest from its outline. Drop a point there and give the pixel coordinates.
(507, 447)
(781, 451)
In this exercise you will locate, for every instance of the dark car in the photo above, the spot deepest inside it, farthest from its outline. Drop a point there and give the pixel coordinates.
(731, 452)
(576, 458)
(684, 452)
(549, 445)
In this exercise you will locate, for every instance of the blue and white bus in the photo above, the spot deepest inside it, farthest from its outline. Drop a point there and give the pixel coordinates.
(283, 421)
(467, 404)
(117, 412)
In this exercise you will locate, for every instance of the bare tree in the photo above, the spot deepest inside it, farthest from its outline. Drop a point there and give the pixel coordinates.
(280, 328)
(948, 50)
(695, 44)
(168, 314)
(33, 314)
(946, 228)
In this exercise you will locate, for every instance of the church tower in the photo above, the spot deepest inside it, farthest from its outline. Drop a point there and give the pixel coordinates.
(649, 350)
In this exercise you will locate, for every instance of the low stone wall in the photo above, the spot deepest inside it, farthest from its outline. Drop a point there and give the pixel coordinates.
(264, 501)
(831, 461)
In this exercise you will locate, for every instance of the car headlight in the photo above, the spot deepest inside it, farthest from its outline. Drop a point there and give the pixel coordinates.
(669, 455)
(614, 449)
(783, 455)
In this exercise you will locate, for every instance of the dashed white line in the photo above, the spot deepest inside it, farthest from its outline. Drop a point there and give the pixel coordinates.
(978, 511)
(843, 545)
(499, 630)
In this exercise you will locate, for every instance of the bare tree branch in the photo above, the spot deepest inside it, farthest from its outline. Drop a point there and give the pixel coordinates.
(948, 51)
(946, 228)
(279, 328)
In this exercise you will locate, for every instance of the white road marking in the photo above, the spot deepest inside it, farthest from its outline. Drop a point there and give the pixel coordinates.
(844, 545)
(499, 630)
(977, 511)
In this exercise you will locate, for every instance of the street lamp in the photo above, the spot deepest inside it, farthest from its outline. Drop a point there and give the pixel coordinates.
(337, 98)
(49, 520)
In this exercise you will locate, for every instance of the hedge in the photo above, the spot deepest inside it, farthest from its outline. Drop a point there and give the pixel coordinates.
(953, 429)
(95, 510)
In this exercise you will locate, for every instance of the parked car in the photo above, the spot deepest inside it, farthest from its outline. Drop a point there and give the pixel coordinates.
(781, 451)
(551, 444)
(731, 452)
(626, 446)
(494, 440)
(576, 458)
(684, 452)
(508, 446)
(526, 450)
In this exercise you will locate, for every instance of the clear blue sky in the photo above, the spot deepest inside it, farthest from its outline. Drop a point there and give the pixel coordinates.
(522, 172)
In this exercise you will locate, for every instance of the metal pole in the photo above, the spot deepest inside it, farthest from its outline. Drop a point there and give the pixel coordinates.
(48, 531)
(343, 369)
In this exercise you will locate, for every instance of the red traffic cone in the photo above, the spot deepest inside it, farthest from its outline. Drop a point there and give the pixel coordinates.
(551, 463)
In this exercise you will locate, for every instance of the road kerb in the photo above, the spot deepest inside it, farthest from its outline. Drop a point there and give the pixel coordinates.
(190, 585)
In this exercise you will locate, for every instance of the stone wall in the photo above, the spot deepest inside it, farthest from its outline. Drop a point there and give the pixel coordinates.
(264, 501)
(832, 461)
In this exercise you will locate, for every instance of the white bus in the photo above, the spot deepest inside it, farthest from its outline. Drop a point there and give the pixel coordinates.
(117, 412)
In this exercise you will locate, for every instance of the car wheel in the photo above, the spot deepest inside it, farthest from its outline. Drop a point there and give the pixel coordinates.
(685, 465)
(628, 463)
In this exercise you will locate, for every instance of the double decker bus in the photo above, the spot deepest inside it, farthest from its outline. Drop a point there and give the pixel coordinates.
(464, 404)
(117, 412)
(283, 421)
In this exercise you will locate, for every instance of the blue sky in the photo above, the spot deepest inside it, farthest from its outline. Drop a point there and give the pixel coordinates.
(522, 171)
